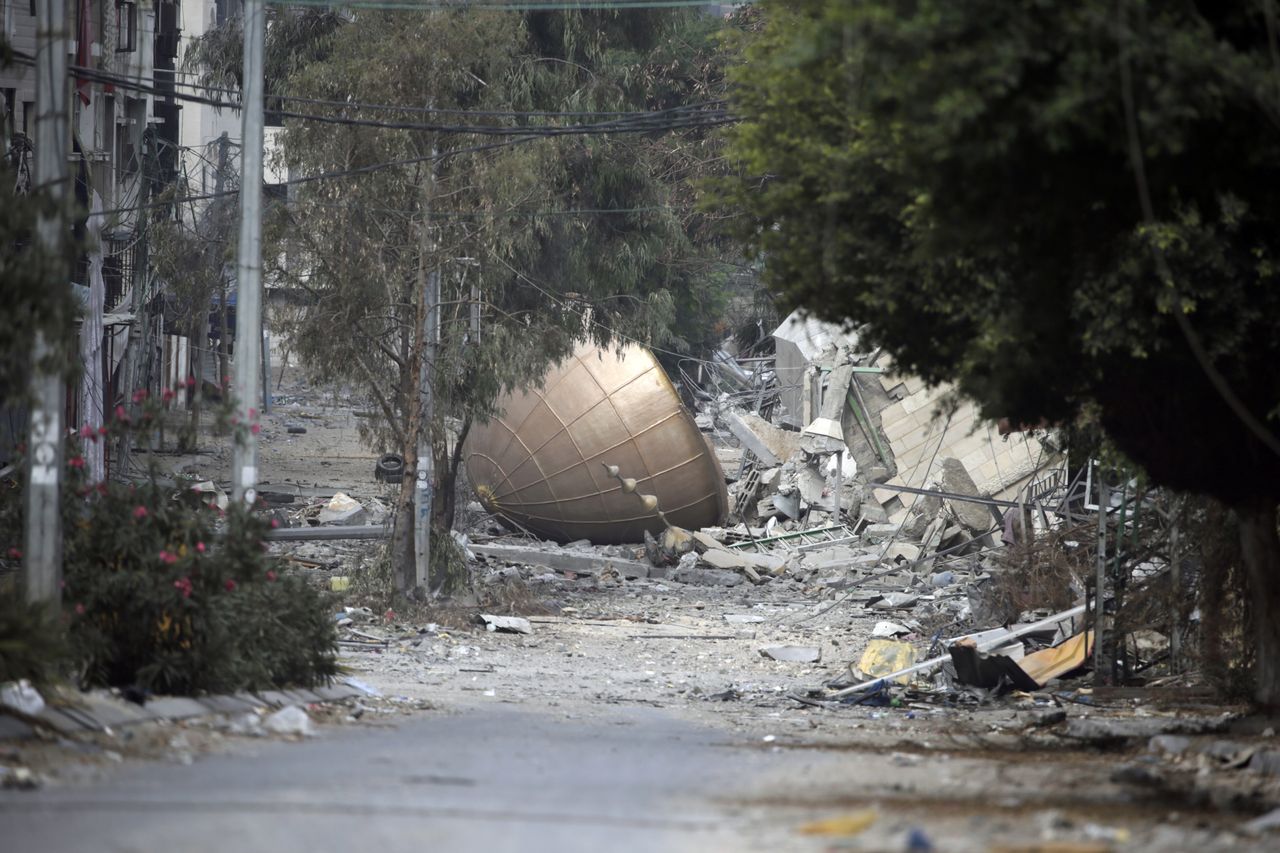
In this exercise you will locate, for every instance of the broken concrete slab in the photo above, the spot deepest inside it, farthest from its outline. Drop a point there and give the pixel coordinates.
(876, 533)
(707, 577)
(721, 559)
(885, 630)
(703, 542)
(793, 654)
(506, 624)
(903, 550)
(742, 618)
(770, 444)
(175, 707)
(975, 517)
(564, 561)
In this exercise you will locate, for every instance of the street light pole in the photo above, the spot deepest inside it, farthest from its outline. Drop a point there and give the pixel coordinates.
(42, 559)
(244, 464)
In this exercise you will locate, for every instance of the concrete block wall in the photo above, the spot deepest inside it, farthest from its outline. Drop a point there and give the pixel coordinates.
(918, 434)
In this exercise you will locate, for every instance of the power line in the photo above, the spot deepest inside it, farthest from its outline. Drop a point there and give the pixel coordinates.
(672, 118)
(409, 108)
(513, 5)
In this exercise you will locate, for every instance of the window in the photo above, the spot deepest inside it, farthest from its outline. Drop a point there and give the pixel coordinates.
(126, 26)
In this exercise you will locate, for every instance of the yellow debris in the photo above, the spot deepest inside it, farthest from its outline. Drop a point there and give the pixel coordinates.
(883, 657)
(850, 824)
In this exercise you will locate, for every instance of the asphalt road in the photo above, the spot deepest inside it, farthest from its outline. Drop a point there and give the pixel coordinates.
(492, 779)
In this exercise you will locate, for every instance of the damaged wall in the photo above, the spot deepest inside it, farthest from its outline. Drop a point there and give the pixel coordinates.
(998, 466)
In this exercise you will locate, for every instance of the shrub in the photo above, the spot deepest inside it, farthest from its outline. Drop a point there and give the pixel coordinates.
(165, 592)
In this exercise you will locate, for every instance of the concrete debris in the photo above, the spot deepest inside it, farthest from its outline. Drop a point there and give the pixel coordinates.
(793, 654)
(884, 630)
(768, 443)
(506, 624)
(342, 509)
(290, 720)
(707, 577)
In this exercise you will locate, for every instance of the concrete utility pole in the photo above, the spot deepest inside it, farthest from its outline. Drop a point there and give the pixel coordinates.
(42, 543)
(244, 464)
(219, 183)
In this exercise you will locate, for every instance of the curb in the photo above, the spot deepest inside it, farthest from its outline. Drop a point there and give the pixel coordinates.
(99, 711)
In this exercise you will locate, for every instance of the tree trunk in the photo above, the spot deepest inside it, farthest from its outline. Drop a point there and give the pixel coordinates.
(402, 537)
(1260, 547)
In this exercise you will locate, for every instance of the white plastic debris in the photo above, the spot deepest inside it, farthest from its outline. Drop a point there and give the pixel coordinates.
(22, 697)
(364, 687)
(289, 721)
(884, 630)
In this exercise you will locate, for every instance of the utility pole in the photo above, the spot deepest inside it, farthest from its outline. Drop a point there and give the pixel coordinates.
(424, 491)
(140, 326)
(42, 542)
(244, 464)
(219, 183)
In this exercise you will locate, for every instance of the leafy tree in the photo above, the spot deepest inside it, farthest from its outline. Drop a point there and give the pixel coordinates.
(561, 237)
(1057, 206)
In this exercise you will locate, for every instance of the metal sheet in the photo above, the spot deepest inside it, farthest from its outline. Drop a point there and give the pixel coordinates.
(541, 463)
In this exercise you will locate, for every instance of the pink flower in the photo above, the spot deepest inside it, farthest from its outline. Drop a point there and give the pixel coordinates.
(102, 487)
(255, 429)
(167, 395)
(200, 547)
(390, 615)
(275, 522)
(229, 584)
(87, 431)
(121, 414)
(168, 557)
(139, 395)
(139, 511)
(253, 414)
(191, 382)
(271, 576)
(76, 461)
(102, 430)
(183, 585)
(15, 554)
(79, 609)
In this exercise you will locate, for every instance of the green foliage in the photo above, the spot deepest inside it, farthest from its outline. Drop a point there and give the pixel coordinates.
(33, 644)
(167, 593)
(960, 178)
(31, 304)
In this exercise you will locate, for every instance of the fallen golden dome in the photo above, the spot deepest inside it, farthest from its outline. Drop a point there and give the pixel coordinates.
(542, 463)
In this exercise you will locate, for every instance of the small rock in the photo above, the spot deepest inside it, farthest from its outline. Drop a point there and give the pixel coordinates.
(1169, 744)
(289, 721)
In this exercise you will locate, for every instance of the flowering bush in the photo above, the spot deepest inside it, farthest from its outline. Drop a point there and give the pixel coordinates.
(166, 592)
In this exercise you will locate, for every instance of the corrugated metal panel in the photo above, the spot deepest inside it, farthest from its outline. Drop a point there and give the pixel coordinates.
(541, 463)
